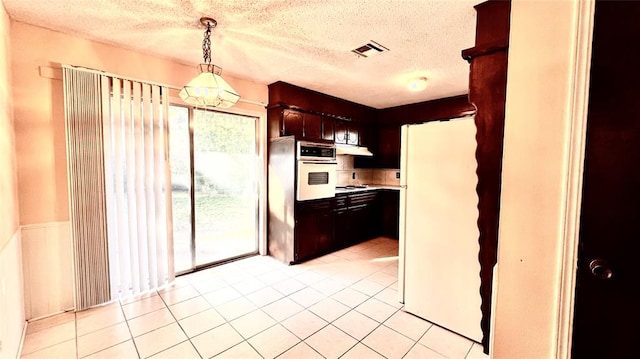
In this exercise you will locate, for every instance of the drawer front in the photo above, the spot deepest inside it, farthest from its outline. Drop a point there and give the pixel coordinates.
(310, 206)
(341, 201)
(362, 198)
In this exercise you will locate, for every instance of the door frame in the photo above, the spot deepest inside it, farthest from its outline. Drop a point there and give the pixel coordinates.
(261, 175)
(542, 172)
(261, 143)
(579, 104)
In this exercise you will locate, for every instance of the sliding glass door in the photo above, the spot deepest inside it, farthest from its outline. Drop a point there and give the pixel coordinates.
(226, 201)
(214, 164)
(181, 185)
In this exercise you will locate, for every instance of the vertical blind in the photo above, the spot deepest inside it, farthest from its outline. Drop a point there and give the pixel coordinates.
(133, 131)
(83, 130)
(136, 158)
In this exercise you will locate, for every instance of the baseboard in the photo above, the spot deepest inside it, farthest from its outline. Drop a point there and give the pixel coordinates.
(24, 334)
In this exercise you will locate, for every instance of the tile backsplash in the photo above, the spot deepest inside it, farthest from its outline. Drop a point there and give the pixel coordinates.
(347, 175)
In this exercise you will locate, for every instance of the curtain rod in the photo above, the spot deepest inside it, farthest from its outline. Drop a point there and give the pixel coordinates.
(172, 87)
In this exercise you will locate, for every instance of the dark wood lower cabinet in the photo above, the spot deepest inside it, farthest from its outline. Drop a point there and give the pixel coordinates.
(324, 242)
(390, 211)
(326, 225)
(355, 218)
(313, 229)
(341, 227)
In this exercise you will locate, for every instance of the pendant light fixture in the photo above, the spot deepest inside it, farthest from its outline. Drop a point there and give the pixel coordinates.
(209, 89)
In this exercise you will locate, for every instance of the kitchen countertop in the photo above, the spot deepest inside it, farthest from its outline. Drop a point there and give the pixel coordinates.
(369, 187)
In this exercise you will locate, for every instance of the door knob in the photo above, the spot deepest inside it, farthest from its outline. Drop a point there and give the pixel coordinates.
(600, 269)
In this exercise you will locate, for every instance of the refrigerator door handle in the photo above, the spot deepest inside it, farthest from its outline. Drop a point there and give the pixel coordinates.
(404, 157)
(404, 154)
(402, 242)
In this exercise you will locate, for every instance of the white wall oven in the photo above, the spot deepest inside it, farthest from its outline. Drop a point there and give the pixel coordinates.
(316, 170)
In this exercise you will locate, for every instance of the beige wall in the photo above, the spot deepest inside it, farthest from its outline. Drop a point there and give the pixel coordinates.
(39, 117)
(12, 317)
(8, 186)
(536, 177)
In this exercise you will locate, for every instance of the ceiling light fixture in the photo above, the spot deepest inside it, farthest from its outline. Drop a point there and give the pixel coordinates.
(418, 84)
(209, 89)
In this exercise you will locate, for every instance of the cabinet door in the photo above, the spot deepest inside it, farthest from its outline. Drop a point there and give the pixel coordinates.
(312, 129)
(292, 123)
(389, 147)
(390, 212)
(368, 138)
(341, 131)
(324, 239)
(313, 229)
(353, 133)
(364, 213)
(328, 129)
(341, 228)
(305, 240)
(365, 134)
(359, 224)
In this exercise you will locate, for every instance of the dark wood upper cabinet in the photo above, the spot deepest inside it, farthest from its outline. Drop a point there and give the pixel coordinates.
(346, 132)
(292, 123)
(288, 95)
(341, 132)
(314, 116)
(353, 133)
(312, 126)
(366, 135)
(433, 110)
(389, 147)
(328, 128)
(386, 139)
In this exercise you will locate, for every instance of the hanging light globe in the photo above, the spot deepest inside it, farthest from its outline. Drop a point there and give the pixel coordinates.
(209, 89)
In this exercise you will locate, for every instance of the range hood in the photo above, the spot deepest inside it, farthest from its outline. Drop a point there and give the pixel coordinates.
(352, 150)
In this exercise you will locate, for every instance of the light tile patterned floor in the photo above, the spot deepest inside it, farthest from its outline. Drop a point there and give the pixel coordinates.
(342, 305)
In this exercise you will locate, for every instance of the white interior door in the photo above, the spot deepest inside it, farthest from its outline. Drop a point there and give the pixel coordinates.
(442, 271)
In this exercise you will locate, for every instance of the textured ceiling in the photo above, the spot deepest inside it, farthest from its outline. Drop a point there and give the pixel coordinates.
(304, 42)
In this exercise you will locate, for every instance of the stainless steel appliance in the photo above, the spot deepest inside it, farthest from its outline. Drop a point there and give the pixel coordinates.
(439, 271)
(298, 171)
(316, 170)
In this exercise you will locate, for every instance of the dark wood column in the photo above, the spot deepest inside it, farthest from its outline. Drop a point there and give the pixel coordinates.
(487, 91)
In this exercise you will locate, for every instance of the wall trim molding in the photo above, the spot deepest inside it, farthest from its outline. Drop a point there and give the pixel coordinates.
(47, 289)
(4, 244)
(576, 139)
(42, 225)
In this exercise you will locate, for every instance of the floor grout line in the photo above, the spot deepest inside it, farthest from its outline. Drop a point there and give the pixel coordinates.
(352, 270)
(179, 326)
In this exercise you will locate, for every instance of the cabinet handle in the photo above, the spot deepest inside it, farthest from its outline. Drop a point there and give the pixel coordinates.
(358, 206)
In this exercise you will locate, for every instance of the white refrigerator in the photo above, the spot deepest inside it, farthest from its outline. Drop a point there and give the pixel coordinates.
(439, 271)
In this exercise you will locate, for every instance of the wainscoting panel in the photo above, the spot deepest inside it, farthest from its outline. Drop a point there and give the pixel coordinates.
(48, 269)
(12, 319)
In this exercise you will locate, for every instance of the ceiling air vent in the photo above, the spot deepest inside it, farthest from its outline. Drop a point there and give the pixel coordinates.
(369, 49)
